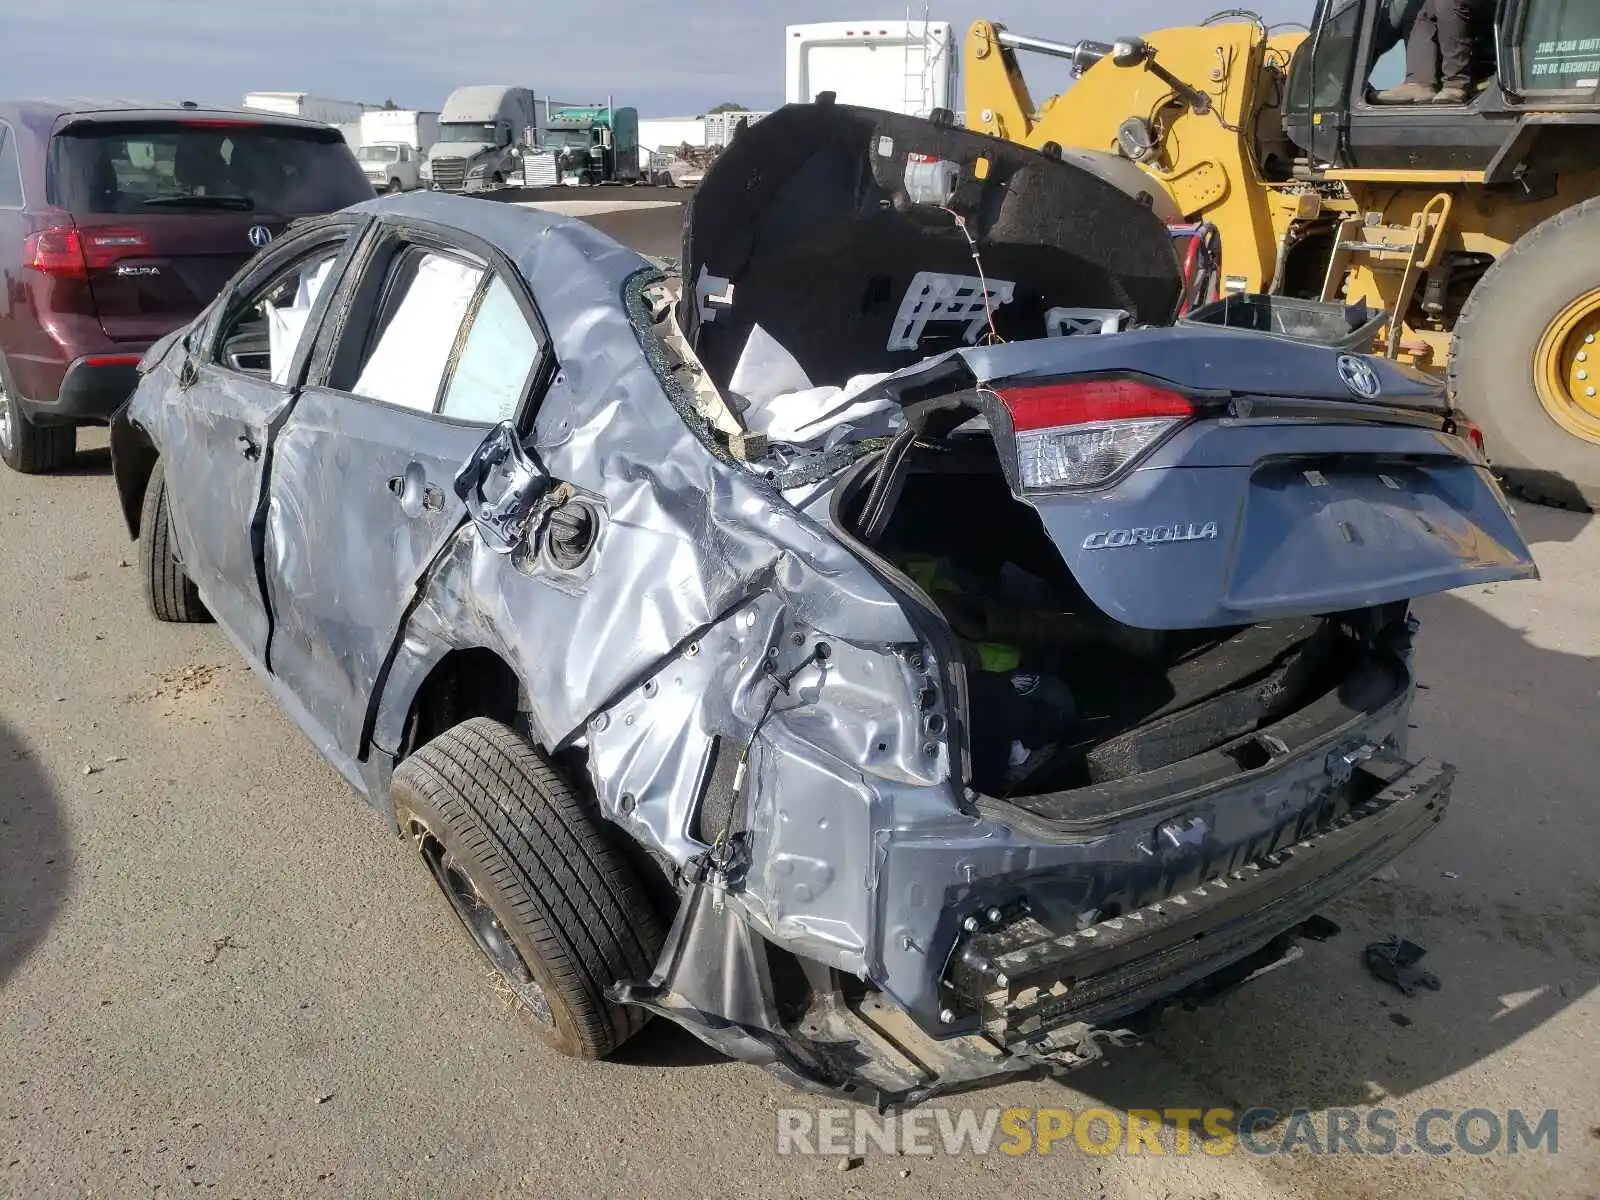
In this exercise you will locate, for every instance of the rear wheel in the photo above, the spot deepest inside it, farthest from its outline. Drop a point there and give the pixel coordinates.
(393, 187)
(170, 592)
(1525, 364)
(27, 447)
(527, 869)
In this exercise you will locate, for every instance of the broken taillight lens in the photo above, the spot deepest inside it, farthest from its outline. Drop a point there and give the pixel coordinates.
(1076, 435)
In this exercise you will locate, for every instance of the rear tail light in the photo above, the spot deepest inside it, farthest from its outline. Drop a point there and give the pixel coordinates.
(1075, 435)
(57, 251)
(68, 252)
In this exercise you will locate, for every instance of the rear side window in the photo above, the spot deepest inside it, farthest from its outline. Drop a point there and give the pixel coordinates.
(200, 165)
(497, 361)
(10, 171)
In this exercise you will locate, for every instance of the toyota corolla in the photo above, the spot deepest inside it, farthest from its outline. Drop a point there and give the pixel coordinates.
(818, 643)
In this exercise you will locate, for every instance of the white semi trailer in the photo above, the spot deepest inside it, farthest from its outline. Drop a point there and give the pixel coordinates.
(900, 66)
(303, 104)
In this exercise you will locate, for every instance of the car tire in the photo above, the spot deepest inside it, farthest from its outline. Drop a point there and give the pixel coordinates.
(26, 447)
(1494, 360)
(170, 592)
(393, 187)
(527, 868)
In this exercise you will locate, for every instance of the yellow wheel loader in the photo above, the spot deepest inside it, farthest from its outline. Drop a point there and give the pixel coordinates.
(1475, 226)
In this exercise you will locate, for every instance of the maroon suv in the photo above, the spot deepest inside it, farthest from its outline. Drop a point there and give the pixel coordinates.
(118, 223)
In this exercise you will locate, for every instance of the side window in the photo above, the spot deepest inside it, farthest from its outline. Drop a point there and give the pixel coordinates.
(10, 171)
(1561, 45)
(1335, 56)
(420, 316)
(260, 336)
(497, 360)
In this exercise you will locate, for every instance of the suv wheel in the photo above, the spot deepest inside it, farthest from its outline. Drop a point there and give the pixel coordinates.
(29, 448)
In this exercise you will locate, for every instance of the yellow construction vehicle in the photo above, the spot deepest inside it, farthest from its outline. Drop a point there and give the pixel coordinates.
(1475, 226)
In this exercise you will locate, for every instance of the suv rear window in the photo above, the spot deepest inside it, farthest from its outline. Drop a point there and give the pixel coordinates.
(198, 165)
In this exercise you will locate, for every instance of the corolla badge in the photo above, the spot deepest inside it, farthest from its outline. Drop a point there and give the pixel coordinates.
(260, 236)
(1359, 377)
(1153, 535)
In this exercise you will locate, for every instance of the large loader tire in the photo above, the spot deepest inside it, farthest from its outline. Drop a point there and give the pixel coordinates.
(1525, 364)
(528, 869)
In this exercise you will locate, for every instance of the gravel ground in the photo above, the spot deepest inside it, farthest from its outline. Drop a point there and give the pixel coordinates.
(219, 976)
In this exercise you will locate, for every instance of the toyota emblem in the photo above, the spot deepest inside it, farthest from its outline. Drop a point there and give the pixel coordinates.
(260, 235)
(1359, 377)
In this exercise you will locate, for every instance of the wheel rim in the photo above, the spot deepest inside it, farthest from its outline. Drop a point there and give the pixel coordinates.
(1567, 368)
(5, 420)
(482, 924)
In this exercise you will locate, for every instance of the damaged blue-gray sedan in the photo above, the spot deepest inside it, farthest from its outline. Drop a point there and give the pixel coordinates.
(887, 644)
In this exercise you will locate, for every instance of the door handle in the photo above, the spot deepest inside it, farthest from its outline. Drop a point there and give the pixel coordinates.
(248, 447)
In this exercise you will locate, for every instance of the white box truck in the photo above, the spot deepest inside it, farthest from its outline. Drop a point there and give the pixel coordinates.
(900, 66)
(400, 126)
(394, 144)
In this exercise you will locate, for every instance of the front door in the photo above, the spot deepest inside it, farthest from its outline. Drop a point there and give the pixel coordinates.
(241, 370)
(442, 346)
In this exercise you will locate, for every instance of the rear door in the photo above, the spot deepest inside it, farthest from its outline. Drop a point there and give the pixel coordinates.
(439, 345)
(168, 209)
(1195, 479)
(213, 428)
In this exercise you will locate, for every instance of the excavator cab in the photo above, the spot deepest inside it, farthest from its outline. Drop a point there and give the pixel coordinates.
(1547, 73)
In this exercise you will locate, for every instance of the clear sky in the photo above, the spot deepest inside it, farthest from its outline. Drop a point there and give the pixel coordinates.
(665, 57)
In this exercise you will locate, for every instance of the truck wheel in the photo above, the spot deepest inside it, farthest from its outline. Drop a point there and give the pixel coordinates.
(1525, 362)
(526, 867)
(171, 594)
(26, 447)
(393, 187)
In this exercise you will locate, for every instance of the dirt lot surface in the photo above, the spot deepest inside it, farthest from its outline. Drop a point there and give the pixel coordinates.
(219, 976)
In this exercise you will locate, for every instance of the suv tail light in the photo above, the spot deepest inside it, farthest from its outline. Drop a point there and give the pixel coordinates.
(68, 252)
(1075, 435)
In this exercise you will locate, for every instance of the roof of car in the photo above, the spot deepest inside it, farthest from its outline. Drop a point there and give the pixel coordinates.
(46, 110)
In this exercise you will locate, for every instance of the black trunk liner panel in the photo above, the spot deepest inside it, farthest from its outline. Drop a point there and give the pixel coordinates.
(1295, 678)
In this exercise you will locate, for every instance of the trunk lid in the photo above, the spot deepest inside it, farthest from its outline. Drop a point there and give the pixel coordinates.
(168, 208)
(1196, 479)
(837, 230)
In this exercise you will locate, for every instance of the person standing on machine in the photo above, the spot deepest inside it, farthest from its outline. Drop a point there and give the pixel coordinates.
(1449, 50)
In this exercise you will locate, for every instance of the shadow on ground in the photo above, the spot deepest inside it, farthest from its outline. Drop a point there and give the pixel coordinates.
(1502, 895)
(96, 461)
(35, 862)
(663, 1044)
(1543, 526)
